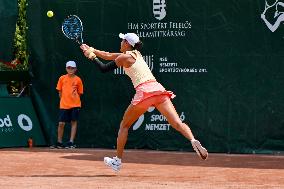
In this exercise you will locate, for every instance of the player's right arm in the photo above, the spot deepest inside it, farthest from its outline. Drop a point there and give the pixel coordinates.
(106, 55)
(101, 54)
(121, 60)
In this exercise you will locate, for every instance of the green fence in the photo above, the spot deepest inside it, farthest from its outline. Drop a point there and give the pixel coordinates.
(219, 57)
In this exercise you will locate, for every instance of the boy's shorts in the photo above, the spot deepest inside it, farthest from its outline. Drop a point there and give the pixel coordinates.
(68, 115)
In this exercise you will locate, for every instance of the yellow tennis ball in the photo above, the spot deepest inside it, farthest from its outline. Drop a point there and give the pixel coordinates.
(49, 14)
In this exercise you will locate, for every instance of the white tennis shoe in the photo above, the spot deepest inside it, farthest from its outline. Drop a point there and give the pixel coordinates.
(114, 163)
(199, 149)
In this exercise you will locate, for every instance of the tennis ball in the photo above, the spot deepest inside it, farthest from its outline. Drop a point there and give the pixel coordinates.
(49, 14)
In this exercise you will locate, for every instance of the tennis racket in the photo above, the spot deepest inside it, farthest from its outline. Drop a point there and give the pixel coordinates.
(72, 28)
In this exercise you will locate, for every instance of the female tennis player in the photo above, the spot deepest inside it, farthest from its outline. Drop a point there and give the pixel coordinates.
(148, 93)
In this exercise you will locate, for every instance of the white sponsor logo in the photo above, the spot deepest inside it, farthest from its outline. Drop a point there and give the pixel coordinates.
(274, 9)
(167, 66)
(160, 29)
(5, 121)
(154, 118)
(159, 9)
(23, 120)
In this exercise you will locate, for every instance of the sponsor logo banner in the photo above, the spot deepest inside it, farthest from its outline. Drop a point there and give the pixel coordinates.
(18, 123)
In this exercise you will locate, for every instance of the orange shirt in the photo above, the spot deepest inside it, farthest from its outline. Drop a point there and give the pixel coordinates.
(71, 88)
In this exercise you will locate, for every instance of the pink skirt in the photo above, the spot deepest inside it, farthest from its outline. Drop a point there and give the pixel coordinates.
(149, 89)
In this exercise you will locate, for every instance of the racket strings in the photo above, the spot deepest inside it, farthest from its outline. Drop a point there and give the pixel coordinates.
(72, 27)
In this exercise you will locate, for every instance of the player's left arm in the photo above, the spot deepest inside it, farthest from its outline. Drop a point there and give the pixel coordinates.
(105, 67)
(123, 60)
(106, 55)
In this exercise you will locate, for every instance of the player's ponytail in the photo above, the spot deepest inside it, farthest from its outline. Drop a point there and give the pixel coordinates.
(138, 46)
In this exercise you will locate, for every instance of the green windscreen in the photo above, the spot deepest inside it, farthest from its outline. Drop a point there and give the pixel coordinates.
(8, 17)
(222, 59)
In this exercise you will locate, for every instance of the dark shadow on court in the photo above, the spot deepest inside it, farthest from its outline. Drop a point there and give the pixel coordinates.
(190, 159)
(254, 161)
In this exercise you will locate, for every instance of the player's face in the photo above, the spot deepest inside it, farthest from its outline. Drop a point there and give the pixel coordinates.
(71, 70)
(124, 46)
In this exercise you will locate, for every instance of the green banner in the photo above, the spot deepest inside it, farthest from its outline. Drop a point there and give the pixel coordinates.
(223, 60)
(19, 123)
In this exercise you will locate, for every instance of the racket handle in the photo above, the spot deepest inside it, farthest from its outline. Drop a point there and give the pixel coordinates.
(79, 42)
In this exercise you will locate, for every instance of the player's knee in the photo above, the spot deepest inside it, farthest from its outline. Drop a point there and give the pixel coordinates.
(124, 125)
(123, 129)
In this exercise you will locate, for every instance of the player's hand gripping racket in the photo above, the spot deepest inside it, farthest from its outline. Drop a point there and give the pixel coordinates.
(72, 28)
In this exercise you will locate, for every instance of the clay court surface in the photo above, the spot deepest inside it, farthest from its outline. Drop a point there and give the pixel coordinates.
(44, 168)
